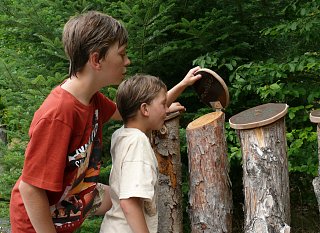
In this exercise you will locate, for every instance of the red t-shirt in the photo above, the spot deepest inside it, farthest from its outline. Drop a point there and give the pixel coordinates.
(63, 157)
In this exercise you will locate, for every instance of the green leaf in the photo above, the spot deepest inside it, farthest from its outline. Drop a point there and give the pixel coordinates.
(275, 86)
(291, 115)
(294, 26)
(229, 66)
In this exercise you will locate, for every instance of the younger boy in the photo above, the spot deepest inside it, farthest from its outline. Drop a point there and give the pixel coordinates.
(142, 103)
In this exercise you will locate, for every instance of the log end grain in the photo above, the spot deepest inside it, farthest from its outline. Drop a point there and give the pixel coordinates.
(204, 120)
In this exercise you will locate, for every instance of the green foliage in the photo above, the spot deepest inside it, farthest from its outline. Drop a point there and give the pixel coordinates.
(91, 224)
(11, 161)
(4, 209)
(148, 24)
(234, 151)
(303, 150)
(303, 23)
(266, 51)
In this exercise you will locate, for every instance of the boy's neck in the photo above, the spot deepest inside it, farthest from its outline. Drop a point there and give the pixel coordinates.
(80, 88)
(137, 125)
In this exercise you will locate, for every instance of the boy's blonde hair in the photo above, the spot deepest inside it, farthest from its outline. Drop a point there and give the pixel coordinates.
(135, 91)
(90, 32)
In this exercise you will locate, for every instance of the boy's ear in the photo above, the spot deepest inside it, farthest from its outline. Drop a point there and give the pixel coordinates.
(144, 109)
(94, 60)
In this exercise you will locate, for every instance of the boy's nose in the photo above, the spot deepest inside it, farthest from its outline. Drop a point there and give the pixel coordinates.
(127, 62)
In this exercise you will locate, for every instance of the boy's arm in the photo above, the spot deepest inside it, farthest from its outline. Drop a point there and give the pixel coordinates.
(188, 80)
(37, 205)
(132, 209)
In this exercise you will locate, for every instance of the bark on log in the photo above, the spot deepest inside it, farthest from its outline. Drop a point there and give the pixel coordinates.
(210, 195)
(166, 145)
(315, 118)
(316, 180)
(265, 178)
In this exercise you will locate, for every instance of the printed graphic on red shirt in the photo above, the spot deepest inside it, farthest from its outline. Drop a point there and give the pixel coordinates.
(78, 197)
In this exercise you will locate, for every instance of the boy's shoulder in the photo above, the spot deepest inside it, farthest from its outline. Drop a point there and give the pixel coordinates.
(129, 136)
(58, 99)
(60, 105)
(132, 133)
(131, 144)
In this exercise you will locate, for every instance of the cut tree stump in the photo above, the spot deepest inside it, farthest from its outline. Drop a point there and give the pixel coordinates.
(210, 195)
(166, 145)
(315, 118)
(262, 134)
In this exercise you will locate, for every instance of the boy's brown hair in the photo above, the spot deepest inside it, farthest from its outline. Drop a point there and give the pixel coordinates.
(90, 32)
(133, 92)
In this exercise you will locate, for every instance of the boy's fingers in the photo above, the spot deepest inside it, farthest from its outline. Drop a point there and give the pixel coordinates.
(193, 70)
(198, 76)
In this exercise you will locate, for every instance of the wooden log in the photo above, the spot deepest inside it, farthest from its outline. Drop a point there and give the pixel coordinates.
(166, 145)
(210, 195)
(3, 140)
(262, 136)
(3, 134)
(315, 118)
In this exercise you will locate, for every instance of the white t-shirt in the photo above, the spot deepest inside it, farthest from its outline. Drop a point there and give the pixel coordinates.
(134, 173)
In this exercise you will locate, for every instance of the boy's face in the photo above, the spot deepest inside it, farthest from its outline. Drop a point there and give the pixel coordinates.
(157, 110)
(114, 64)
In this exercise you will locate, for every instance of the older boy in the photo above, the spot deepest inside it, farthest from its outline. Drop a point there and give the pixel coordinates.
(58, 186)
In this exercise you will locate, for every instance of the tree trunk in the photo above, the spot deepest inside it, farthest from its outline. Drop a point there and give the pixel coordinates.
(166, 145)
(265, 178)
(210, 195)
(316, 180)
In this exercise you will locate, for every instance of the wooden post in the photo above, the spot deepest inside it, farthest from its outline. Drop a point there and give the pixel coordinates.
(262, 136)
(3, 139)
(315, 118)
(3, 134)
(210, 195)
(166, 145)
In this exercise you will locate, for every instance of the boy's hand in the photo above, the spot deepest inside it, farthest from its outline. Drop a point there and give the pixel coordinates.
(190, 78)
(175, 107)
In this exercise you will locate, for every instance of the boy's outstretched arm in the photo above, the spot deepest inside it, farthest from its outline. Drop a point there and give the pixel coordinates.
(132, 209)
(37, 205)
(188, 80)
